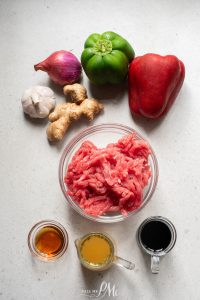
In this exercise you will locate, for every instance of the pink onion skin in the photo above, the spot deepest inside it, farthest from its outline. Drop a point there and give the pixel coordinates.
(62, 67)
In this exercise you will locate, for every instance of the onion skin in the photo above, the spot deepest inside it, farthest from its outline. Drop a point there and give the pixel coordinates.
(62, 67)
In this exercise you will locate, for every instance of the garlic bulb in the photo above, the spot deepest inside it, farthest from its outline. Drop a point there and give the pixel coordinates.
(38, 101)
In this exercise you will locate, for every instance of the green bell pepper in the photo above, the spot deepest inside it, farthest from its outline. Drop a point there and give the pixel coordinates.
(106, 57)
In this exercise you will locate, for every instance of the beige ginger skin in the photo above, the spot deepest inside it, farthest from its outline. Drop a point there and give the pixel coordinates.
(65, 113)
(76, 92)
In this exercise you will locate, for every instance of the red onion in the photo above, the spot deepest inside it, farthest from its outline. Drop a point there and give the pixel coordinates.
(62, 67)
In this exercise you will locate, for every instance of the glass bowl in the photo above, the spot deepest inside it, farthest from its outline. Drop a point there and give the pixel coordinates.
(37, 229)
(101, 136)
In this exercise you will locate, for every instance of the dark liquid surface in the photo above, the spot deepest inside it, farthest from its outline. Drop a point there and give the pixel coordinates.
(156, 235)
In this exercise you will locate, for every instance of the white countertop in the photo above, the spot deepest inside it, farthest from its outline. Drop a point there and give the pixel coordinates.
(30, 192)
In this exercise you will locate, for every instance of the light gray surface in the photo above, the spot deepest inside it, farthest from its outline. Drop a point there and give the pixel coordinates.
(31, 30)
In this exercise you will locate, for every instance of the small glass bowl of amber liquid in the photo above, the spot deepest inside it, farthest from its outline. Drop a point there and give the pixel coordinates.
(48, 240)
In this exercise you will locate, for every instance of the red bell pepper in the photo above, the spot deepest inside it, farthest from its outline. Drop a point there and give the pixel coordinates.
(154, 83)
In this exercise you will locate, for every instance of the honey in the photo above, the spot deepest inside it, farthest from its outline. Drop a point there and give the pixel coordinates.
(49, 241)
(96, 250)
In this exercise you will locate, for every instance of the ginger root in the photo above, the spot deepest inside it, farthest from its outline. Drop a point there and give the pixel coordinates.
(65, 113)
(76, 92)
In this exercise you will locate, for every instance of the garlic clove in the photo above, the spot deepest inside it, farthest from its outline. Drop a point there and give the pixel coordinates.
(42, 111)
(35, 97)
(38, 101)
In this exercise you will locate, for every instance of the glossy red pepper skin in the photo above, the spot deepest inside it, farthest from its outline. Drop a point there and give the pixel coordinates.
(154, 83)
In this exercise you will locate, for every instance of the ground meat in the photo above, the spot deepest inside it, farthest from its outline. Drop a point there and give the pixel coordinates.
(109, 179)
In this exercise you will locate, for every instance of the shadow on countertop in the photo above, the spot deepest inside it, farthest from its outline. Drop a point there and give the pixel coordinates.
(36, 121)
(108, 91)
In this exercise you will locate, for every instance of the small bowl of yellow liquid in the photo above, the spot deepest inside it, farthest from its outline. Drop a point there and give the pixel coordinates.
(96, 251)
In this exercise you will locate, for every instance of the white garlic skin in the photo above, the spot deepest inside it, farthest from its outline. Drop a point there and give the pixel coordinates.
(38, 101)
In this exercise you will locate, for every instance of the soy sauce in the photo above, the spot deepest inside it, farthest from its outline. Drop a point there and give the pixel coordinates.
(156, 235)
